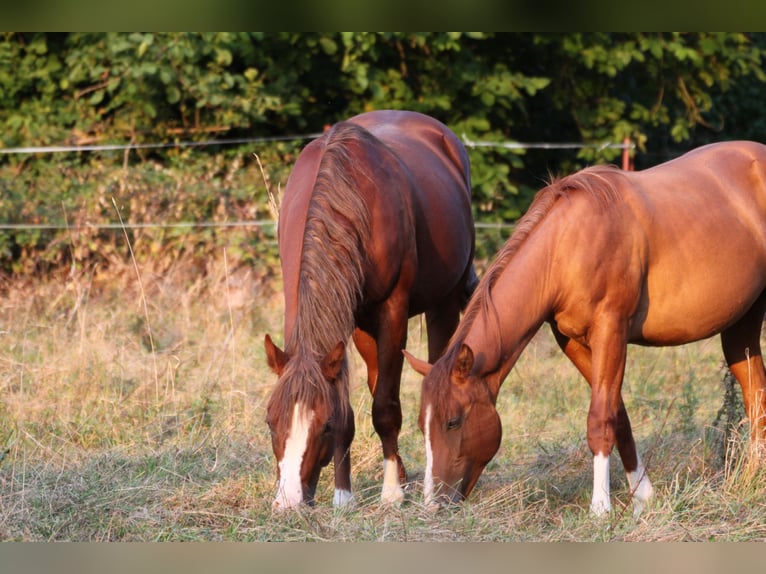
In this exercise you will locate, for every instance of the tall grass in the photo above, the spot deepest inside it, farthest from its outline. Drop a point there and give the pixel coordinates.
(120, 422)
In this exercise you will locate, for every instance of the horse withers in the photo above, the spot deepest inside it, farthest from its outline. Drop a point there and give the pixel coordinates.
(664, 256)
(375, 226)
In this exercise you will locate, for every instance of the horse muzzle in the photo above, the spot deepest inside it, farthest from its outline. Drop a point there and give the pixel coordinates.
(287, 500)
(443, 496)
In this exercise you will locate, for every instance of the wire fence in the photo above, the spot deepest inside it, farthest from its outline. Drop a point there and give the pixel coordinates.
(300, 137)
(176, 225)
(242, 141)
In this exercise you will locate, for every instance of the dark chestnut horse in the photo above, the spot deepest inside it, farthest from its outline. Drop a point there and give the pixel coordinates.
(663, 256)
(375, 226)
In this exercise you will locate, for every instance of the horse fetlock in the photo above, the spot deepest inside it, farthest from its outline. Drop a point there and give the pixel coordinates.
(343, 498)
(640, 487)
(392, 492)
(600, 504)
(392, 495)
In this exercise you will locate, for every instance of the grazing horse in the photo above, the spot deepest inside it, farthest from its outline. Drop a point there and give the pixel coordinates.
(375, 226)
(663, 256)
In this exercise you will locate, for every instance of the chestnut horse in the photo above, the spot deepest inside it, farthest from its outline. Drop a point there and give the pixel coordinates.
(375, 226)
(664, 256)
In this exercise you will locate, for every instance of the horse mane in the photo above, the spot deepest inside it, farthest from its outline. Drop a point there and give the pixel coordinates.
(332, 266)
(596, 181)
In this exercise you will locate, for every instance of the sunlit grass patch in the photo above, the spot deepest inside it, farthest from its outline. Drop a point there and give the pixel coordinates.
(104, 438)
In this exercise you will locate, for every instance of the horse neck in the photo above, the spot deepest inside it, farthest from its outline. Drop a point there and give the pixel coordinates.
(514, 307)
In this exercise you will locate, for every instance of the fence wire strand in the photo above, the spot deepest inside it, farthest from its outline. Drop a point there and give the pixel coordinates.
(241, 141)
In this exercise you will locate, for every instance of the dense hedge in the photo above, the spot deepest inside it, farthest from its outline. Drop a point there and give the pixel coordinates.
(664, 91)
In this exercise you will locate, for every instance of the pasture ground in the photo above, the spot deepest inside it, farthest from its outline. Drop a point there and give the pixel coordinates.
(110, 434)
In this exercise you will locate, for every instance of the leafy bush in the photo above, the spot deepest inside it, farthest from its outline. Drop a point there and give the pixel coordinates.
(663, 91)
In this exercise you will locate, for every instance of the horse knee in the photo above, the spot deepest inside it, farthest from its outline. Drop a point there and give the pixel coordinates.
(386, 416)
(601, 434)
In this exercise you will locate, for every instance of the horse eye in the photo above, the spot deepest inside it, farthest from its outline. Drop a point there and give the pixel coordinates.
(454, 422)
(327, 428)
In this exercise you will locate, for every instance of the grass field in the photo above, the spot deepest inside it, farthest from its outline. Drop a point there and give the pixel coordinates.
(134, 411)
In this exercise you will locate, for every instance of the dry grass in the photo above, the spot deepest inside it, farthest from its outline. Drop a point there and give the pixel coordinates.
(109, 434)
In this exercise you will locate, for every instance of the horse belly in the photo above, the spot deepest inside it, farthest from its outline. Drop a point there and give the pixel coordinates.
(702, 302)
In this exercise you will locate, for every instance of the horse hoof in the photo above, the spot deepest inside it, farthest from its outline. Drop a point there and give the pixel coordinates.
(600, 509)
(343, 499)
(392, 496)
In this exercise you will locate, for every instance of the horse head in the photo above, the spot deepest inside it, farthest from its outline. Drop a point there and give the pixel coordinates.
(461, 426)
(306, 419)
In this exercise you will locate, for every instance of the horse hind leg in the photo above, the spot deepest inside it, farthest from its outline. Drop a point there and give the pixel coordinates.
(469, 286)
(742, 349)
(441, 324)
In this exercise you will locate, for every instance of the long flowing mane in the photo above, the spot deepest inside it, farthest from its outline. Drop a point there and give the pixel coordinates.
(331, 275)
(597, 181)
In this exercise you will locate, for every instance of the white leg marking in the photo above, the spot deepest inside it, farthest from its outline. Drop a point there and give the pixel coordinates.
(641, 488)
(342, 498)
(428, 480)
(392, 490)
(289, 490)
(600, 502)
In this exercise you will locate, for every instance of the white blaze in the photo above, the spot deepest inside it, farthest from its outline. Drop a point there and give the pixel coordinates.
(428, 480)
(289, 490)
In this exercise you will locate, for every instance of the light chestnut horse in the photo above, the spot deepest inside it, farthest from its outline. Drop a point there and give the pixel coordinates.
(664, 256)
(375, 226)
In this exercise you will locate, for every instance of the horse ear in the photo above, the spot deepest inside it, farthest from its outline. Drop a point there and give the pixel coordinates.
(463, 363)
(420, 366)
(333, 362)
(276, 357)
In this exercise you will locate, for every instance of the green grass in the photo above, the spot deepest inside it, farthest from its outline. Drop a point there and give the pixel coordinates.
(104, 438)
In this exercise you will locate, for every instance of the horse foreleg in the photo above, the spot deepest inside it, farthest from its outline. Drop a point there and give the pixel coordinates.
(368, 349)
(386, 408)
(742, 349)
(638, 480)
(343, 495)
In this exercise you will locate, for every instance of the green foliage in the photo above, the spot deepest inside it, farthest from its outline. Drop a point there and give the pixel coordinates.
(664, 91)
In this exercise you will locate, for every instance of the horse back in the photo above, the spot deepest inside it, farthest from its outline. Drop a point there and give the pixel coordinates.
(416, 137)
(702, 218)
(707, 186)
(413, 175)
(437, 193)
